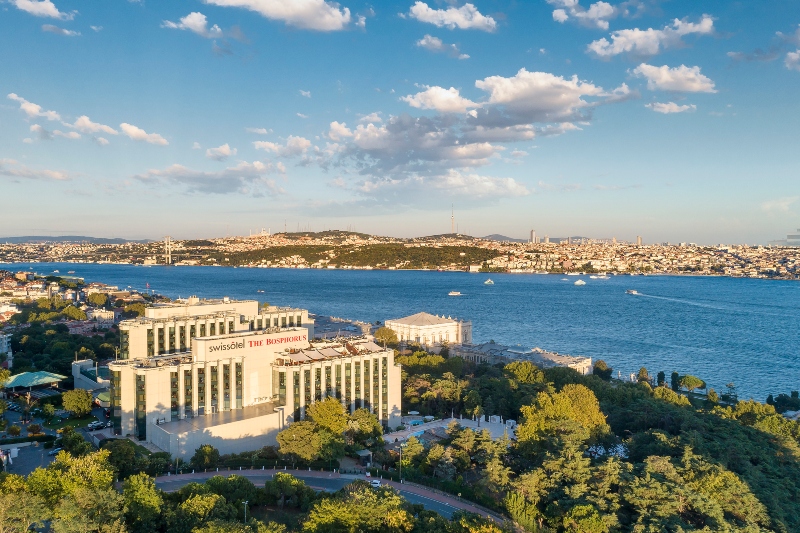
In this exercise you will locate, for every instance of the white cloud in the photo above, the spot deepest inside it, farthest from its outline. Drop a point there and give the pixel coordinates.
(441, 99)
(220, 153)
(318, 15)
(197, 23)
(361, 21)
(780, 205)
(101, 141)
(14, 169)
(466, 17)
(67, 135)
(307, 94)
(245, 178)
(85, 125)
(59, 31)
(196, 146)
(301, 115)
(434, 44)
(138, 134)
(42, 133)
(258, 131)
(670, 107)
(294, 146)
(96, 28)
(372, 117)
(33, 110)
(450, 183)
(597, 16)
(339, 131)
(792, 60)
(42, 8)
(649, 42)
(682, 78)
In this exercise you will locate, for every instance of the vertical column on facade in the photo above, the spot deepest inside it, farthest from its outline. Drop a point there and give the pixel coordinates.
(207, 407)
(181, 394)
(232, 381)
(195, 395)
(303, 399)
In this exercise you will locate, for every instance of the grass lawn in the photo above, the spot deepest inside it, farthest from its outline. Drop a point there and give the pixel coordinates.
(74, 422)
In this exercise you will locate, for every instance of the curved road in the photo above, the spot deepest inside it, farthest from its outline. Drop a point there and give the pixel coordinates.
(443, 504)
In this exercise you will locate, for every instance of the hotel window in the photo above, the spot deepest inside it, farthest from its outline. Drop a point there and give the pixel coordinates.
(124, 342)
(291, 321)
(347, 387)
(161, 348)
(212, 330)
(239, 385)
(187, 393)
(296, 391)
(173, 394)
(182, 336)
(230, 326)
(338, 391)
(192, 334)
(385, 397)
(116, 401)
(141, 409)
(318, 384)
(328, 389)
(376, 368)
(172, 339)
(307, 387)
(283, 321)
(447, 336)
(275, 322)
(299, 320)
(358, 384)
(226, 387)
(259, 323)
(214, 388)
(222, 328)
(281, 388)
(201, 391)
(366, 385)
(252, 325)
(150, 343)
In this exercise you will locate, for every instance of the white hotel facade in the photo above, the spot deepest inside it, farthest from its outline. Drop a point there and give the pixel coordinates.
(231, 374)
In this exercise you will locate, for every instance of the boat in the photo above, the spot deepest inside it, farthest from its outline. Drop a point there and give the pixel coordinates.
(631, 291)
(592, 277)
(580, 282)
(259, 290)
(573, 273)
(56, 272)
(71, 272)
(454, 293)
(488, 282)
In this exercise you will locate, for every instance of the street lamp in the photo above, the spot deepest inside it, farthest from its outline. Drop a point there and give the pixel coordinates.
(245, 511)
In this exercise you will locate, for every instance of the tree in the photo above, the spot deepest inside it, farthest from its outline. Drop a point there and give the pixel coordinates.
(74, 443)
(691, 383)
(143, 503)
(34, 429)
(14, 430)
(602, 370)
(286, 490)
(85, 510)
(525, 372)
(20, 511)
(77, 401)
(363, 426)
(122, 456)
(48, 412)
(206, 456)
(300, 440)
(675, 381)
(97, 299)
(5, 375)
(328, 414)
(661, 379)
(643, 376)
(713, 397)
(386, 336)
(74, 313)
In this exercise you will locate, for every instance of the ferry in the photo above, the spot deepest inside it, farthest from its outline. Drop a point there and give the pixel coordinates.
(56, 272)
(580, 282)
(488, 282)
(454, 293)
(631, 291)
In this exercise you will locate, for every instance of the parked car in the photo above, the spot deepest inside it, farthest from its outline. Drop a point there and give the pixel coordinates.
(54, 451)
(109, 424)
(375, 483)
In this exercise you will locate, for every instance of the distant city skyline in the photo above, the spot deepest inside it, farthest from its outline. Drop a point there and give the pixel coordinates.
(674, 120)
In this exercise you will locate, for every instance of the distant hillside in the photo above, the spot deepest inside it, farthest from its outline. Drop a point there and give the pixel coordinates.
(65, 238)
(502, 238)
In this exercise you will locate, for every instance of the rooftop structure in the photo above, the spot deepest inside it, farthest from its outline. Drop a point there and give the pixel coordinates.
(431, 330)
(34, 379)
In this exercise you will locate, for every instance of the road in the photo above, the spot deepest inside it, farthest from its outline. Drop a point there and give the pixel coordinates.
(326, 481)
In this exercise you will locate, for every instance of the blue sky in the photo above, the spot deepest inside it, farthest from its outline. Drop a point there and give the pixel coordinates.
(674, 120)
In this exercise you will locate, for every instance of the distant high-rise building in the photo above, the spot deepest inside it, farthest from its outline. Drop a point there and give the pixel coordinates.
(614, 240)
(547, 239)
(639, 240)
(533, 236)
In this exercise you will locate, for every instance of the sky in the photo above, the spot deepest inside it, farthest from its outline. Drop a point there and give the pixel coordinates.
(675, 120)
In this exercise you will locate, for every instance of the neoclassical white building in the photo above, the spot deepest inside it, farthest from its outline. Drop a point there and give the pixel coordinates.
(430, 330)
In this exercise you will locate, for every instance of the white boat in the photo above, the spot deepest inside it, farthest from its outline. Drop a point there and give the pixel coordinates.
(71, 272)
(488, 282)
(580, 282)
(631, 291)
(454, 293)
(592, 277)
(56, 272)
(573, 273)
(564, 279)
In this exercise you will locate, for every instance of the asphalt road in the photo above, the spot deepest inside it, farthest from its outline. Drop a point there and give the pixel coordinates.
(173, 483)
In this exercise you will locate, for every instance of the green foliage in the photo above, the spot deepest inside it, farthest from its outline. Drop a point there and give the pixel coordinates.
(143, 503)
(359, 508)
(363, 427)
(14, 430)
(300, 440)
(122, 456)
(691, 383)
(285, 490)
(206, 456)
(20, 511)
(602, 370)
(525, 372)
(385, 336)
(77, 401)
(328, 414)
(73, 313)
(97, 299)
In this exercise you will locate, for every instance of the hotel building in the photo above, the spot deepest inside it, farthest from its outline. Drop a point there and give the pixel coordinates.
(429, 330)
(231, 374)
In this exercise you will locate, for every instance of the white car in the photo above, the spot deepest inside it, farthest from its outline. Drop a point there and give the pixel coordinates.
(375, 483)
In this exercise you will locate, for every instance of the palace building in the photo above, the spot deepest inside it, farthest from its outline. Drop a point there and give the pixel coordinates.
(431, 330)
(231, 374)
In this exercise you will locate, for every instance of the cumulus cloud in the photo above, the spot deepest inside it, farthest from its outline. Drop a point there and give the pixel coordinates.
(85, 125)
(466, 17)
(434, 44)
(372, 117)
(339, 131)
(96, 28)
(680, 79)
(320, 15)
(138, 134)
(670, 107)
(33, 110)
(245, 178)
(781, 205)
(196, 146)
(41, 133)
(451, 183)
(440, 99)
(220, 153)
(101, 141)
(14, 169)
(650, 42)
(597, 16)
(258, 131)
(42, 8)
(306, 94)
(294, 146)
(792, 60)
(301, 115)
(59, 31)
(67, 135)
(197, 23)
